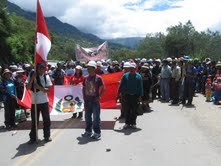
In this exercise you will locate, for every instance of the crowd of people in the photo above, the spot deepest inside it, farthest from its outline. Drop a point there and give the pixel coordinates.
(172, 80)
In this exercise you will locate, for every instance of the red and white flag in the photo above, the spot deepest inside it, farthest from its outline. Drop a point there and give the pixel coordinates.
(43, 42)
(69, 98)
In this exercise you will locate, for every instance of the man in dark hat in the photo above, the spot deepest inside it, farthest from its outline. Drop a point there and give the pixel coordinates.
(41, 82)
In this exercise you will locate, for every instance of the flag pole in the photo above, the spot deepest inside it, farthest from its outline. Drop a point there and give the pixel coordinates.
(35, 98)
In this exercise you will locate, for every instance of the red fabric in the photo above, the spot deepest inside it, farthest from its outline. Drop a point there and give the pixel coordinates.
(41, 27)
(74, 80)
(67, 80)
(108, 100)
(41, 24)
(26, 100)
(111, 82)
(51, 98)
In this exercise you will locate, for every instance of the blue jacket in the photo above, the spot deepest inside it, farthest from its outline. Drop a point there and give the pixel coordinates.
(131, 84)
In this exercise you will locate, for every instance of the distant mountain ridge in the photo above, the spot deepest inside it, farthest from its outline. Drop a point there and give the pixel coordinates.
(130, 42)
(68, 30)
(54, 24)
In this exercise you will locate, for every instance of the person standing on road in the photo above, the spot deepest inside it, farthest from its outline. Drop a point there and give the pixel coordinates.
(147, 82)
(93, 90)
(189, 84)
(8, 91)
(42, 85)
(131, 85)
(165, 81)
(121, 96)
(176, 75)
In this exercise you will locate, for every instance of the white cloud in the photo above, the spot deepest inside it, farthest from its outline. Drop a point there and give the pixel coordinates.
(109, 19)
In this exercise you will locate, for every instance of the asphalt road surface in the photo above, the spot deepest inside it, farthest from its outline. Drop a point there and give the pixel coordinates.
(168, 136)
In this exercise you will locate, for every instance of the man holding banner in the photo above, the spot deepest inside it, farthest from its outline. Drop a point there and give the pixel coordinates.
(40, 98)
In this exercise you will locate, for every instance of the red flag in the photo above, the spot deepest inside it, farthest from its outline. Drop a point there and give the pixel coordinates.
(43, 42)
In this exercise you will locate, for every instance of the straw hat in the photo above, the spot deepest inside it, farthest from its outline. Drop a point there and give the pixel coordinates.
(6, 71)
(145, 66)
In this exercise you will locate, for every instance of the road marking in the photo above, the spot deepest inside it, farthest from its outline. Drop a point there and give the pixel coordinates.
(24, 160)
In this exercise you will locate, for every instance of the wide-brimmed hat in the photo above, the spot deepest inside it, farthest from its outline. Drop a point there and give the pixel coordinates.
(158, 60)
(6, 71)
(20, 70)
(165, 61)
(126, 65)
(218, 64)
(115, 63)
(13, 67)
(78, 67)
(133, 65)
(99, 63)
(92, 64)
(145, 66)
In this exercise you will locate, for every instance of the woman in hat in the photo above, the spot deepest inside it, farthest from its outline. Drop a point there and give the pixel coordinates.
(8, 89)
(147, 82)
(20, 83)
(76, 79)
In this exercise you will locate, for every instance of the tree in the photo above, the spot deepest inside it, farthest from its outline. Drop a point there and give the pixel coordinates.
(152, 46)
(179, 40)
(5, 30)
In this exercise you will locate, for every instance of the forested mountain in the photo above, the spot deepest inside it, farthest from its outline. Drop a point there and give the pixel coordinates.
(54, 24)
(131, 42)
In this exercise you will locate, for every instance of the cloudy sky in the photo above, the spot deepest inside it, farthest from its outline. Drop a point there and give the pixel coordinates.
(130, 18)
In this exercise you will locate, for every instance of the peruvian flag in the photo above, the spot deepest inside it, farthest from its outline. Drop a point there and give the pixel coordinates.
(69, 98)
(43, 42)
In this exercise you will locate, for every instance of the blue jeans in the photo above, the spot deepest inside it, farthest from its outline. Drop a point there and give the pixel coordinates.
(217, 96)
(165, 88)
(92, 108)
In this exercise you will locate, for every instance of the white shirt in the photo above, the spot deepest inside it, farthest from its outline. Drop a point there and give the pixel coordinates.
(40, 97)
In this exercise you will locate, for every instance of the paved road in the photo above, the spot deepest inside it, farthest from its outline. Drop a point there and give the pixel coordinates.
(168, 136)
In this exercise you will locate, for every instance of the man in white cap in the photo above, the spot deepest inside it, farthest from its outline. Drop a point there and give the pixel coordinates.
(91, 94)
(132, 86)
